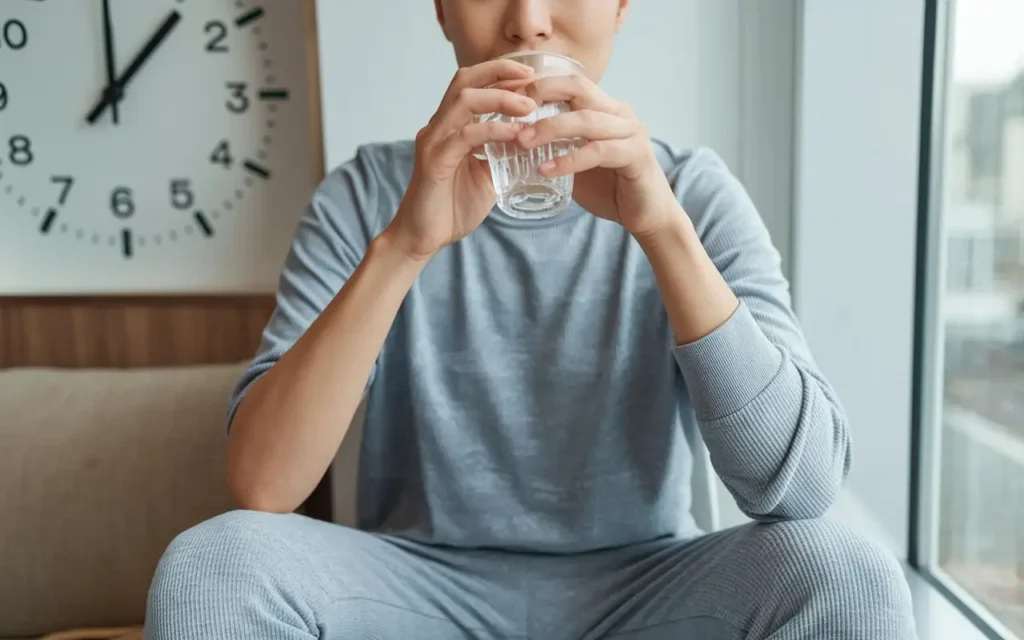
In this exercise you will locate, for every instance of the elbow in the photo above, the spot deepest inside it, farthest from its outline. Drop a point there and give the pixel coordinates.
(810, 493)
(251, 496)
(818, 478)
(806, 503)
(251, 486)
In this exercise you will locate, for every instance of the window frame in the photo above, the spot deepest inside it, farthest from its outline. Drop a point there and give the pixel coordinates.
(929, 351)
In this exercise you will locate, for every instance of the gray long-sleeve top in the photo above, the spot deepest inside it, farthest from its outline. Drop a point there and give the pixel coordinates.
(530, 394)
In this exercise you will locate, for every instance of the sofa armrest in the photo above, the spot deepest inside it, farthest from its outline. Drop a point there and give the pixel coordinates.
(99, 470)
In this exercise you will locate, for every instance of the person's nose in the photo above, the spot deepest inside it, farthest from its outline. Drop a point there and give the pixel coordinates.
(528, 22)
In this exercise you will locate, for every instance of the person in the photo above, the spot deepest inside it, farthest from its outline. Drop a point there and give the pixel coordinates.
(529, 385)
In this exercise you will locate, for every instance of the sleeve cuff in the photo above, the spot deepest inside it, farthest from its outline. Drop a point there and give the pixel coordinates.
(253, 373)
(728, 368)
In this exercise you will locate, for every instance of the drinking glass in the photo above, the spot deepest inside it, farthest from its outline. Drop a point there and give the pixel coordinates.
(521, 189)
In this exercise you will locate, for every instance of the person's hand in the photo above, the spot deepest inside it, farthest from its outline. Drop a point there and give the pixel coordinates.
(451, 192)
(617, 174)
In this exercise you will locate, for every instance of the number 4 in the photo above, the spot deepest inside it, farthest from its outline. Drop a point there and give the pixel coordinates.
(222, 155)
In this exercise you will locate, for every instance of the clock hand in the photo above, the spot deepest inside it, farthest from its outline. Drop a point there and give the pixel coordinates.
(112, 93)
(108, 44)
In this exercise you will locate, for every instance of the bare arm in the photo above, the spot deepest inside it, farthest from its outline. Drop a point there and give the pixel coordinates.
(292, 421)
(341, 291)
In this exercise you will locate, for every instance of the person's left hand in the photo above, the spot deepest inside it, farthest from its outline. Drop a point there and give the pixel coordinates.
(617, 174)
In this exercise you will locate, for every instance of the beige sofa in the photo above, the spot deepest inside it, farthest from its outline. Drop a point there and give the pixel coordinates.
(99, 470)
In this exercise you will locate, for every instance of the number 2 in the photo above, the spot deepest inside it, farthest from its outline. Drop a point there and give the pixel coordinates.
(220, 33)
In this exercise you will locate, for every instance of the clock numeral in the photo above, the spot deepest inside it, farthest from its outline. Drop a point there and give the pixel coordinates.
(220, 33)
(239, 102)
(3, 96)
(14, 35)
(67, 182)
(222, 155)
(121, 203)
(181, 194)
(21, 150)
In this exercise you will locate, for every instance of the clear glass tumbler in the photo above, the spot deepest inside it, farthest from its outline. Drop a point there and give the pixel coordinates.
(522, 191)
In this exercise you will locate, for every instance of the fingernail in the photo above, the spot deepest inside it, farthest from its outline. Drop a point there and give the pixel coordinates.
(527, 134)
(548, 166)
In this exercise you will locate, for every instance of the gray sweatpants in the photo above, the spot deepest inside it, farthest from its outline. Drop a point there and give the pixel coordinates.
(255, 575)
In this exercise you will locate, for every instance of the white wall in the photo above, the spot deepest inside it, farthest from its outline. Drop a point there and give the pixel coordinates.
(717, 73)
(855, 233)
(698, 72)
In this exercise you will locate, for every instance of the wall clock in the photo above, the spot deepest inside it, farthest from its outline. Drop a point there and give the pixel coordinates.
(156, 146)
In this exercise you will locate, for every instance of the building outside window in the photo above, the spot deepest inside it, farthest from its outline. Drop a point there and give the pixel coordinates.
(973, 425)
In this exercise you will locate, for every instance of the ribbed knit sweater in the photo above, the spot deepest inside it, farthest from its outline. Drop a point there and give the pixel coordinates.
(530, 394)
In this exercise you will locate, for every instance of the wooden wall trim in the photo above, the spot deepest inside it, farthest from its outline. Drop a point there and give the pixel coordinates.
(130, 331)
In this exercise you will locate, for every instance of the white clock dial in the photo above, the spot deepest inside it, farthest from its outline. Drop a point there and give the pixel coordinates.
(175, 159)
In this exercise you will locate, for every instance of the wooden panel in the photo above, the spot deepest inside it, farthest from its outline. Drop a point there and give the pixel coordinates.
(139, 332)
(130, 332)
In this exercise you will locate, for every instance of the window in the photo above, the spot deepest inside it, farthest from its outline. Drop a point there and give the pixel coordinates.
(970, 532)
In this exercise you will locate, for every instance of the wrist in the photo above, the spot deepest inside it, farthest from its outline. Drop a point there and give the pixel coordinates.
(675, 230)
(394, 246)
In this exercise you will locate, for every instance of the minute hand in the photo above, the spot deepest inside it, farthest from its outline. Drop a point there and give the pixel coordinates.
(111, 94)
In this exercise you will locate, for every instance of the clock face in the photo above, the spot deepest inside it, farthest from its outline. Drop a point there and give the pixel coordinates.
(152, 146)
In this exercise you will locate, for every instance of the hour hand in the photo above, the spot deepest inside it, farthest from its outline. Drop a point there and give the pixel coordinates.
(108, 48)
(115, 91)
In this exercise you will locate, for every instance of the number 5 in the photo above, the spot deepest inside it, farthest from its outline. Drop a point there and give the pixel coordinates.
(181, 194)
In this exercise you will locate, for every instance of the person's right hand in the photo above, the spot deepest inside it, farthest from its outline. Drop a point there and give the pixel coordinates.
(450, 192)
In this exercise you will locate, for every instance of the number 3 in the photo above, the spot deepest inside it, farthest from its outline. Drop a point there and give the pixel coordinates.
(239, 102)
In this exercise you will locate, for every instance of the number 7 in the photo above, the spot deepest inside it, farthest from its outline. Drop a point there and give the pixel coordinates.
(68, 181)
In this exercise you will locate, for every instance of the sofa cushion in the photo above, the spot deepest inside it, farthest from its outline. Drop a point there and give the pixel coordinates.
(99, 470)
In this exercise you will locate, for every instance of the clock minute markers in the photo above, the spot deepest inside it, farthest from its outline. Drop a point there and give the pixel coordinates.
(256, 169)
(273, 94)
(249, 16)
(44, 228)
(203, 223)
(112, 93)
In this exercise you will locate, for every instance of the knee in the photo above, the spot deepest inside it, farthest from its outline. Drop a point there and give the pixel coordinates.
(232, 538)
(224, 549)
(824, 560)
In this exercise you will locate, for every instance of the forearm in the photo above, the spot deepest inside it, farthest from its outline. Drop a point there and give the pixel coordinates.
(292, 421)
(696, 297)
(776, 434)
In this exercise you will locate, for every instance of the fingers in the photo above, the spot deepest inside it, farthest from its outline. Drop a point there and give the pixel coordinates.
(471, 93)
(475, 102)
(516, 86)
(474, 136)
(586, 124)
(612, 154)
(471, 103)
(488, 73)
(579, 91)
